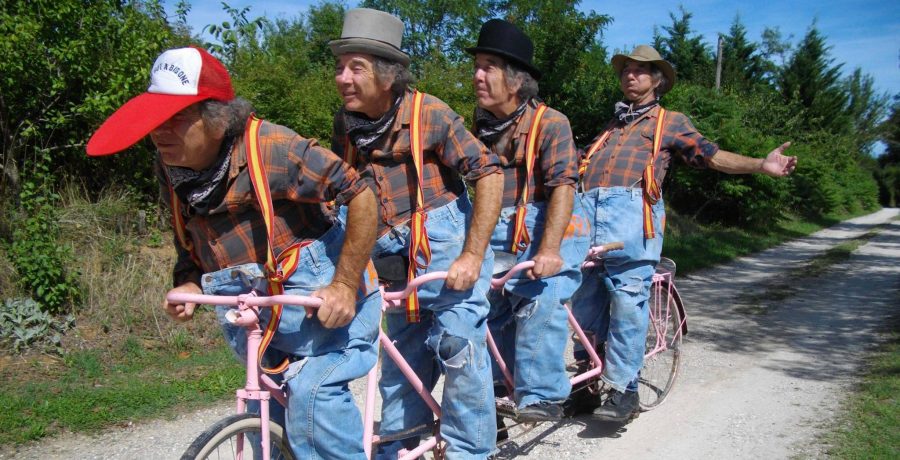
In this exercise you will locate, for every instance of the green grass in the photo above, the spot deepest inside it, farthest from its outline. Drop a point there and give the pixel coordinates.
(870, 425)
(85, 392)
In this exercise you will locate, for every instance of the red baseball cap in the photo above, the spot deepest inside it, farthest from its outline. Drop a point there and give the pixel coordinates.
(179, 77)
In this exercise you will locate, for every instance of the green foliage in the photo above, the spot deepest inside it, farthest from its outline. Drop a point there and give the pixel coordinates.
(743, 66)
(682, 47)
(41, 263)
(23, 325)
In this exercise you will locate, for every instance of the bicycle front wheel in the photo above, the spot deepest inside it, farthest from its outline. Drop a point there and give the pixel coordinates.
(239, 433)
(663, 346)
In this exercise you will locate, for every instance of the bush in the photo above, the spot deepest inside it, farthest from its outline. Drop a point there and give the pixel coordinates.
(23, 324)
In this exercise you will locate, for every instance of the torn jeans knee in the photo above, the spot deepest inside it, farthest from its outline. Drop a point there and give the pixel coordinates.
(454, 352)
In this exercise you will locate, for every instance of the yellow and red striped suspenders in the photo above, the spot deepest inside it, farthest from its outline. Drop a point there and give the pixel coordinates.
(521, 238)
(277, 268)
(418, 243)
(652, 191)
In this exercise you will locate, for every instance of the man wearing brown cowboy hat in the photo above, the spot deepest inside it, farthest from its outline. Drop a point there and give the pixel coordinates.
(540, 168)
(625, 166)
(415, 152)
(220, 170)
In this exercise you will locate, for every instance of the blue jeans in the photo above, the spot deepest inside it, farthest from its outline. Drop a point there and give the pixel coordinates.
(450, 338)
(612, 299)
(322, 418)
(528, 319)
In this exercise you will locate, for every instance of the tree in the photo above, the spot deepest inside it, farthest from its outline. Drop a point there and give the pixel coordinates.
(812, 79)
(743, 66)
(866, 108)
(685, 50)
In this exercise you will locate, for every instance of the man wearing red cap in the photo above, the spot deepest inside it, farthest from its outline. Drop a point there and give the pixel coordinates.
(246, 198)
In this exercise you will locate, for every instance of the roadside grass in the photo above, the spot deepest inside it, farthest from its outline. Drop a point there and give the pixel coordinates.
(869, 426)
(83, 391)
(125, 360)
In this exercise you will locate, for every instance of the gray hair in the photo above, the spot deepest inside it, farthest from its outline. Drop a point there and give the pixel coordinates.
(528, 86)
(394, 72)
(229, 116)
(658, 76)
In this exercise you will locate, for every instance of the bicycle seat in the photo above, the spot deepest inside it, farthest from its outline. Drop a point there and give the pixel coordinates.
(392, 268)
(503, 261)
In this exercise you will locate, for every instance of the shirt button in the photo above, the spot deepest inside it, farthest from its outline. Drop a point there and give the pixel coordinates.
(213, 242)
(384, 200)
(380, 178)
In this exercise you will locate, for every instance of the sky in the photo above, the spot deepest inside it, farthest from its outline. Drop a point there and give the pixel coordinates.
(864, 34)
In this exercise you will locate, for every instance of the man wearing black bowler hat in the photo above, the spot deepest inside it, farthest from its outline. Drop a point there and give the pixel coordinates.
(540, 167)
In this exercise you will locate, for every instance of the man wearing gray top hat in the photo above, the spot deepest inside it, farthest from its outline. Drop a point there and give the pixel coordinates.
(424, 214)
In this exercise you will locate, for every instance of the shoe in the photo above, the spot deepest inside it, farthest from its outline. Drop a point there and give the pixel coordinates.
(581, 400)
(619, 407)
(541, 412)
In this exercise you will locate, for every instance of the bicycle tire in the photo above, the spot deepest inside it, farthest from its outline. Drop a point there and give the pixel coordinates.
(660, 370)
(219, 440)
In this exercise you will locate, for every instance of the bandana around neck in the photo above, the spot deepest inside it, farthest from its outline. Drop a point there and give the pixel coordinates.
(364, 131)
(627, 112)
(488, 127)
(201, 190)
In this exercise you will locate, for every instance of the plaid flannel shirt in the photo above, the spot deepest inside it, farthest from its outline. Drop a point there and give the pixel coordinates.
(450, 151)
(620, 162)
(302, 176)
(556, 161)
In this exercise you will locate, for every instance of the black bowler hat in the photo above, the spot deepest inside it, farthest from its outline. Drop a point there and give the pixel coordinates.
(506, 40)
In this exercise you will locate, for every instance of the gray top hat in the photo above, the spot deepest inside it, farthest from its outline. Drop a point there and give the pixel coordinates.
(371, 32)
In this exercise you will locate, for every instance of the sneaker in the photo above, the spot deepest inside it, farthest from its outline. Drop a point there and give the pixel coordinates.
(619, 407)
(541, 412)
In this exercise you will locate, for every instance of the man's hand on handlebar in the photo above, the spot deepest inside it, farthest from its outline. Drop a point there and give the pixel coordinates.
(338, 305)
(546, 263)
(464, 271)
(182, 312)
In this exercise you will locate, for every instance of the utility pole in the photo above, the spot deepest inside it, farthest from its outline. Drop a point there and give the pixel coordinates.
(719, 63)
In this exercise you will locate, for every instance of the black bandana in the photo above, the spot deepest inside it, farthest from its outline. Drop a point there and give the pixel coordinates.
(364, 132)
(627, 112)
(488, 127)
(201, 190)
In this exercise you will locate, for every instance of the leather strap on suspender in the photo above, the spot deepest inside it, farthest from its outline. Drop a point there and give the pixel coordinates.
(521, 238)
(652, 191)
(418, 243)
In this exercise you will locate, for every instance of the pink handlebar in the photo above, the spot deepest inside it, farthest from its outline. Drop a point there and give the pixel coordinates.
(247, 299)
(497, 283)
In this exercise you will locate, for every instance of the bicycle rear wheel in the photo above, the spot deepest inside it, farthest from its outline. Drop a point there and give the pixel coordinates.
(663, 346)
(239, 432)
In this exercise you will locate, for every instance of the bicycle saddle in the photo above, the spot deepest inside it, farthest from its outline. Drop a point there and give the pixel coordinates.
(503, 261)
(391, 268)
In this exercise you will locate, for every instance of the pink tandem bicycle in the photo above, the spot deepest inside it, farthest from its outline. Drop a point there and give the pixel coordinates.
(248, 435)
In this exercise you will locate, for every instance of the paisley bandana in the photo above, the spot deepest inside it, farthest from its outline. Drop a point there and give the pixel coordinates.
(205, 188)
(488, 127)
(364, 132)
(626, 112)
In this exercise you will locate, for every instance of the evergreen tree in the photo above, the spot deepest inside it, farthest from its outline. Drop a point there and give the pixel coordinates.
(811, 78)
(742, 64)
(866, 108)
(685, 50)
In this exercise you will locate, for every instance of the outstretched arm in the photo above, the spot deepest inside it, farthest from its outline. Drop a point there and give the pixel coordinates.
(775, 164)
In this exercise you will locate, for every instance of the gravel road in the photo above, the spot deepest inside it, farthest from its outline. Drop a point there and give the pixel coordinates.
(761, 378)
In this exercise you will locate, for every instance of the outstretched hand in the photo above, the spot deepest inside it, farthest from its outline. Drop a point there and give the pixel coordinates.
(182, 312)
(776, 164)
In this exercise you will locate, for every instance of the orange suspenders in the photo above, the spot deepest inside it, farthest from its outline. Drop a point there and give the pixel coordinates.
(277, 268)
(521, 239)
(652, 191)
(418, 244)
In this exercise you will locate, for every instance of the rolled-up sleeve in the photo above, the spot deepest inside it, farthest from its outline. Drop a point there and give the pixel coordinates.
(687, 142)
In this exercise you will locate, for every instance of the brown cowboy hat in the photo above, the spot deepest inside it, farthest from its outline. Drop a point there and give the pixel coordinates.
(644, 53)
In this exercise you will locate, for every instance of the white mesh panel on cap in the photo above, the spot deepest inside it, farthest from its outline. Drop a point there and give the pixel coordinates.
(176, 72)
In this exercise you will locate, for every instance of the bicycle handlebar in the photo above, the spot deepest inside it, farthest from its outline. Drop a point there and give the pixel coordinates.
(247, 299)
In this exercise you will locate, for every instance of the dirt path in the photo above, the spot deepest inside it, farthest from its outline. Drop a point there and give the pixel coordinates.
(760, 378)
